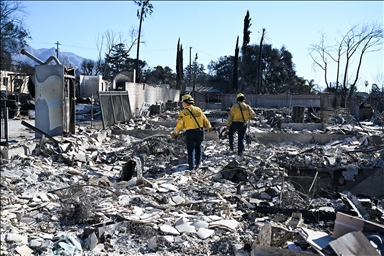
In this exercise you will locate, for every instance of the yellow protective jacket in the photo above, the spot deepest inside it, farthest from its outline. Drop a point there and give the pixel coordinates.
(235, 113)
(187, 122)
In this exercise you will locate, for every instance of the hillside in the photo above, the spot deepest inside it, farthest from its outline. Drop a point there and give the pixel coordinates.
(65, 58)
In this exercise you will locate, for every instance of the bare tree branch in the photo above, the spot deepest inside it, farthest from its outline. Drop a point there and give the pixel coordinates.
(358, 41)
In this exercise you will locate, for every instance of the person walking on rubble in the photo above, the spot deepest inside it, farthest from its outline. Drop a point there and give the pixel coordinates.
(237, 122)
(193, 120)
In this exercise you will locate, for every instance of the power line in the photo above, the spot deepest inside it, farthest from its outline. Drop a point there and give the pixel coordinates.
(167, 49)
(89, 48)
(80, 47)
(205, 53)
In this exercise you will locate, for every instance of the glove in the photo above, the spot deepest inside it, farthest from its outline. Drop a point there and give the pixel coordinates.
(174, 134)
(210, 129)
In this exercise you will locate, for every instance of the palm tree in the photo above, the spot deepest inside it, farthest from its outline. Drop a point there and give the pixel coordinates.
(145, 8)
(305, 86)
(310, 85)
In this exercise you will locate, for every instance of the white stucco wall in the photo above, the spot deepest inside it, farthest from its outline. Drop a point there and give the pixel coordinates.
(139, 93)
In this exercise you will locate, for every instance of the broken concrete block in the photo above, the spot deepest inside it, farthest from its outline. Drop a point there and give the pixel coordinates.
(24, 250)
(12, 237)
(168, 229)
(204, 233)
(353, 243)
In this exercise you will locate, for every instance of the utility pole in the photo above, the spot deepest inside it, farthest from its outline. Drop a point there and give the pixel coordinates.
(259, 81)
(190, 67)
(57, 49)
(194, 77)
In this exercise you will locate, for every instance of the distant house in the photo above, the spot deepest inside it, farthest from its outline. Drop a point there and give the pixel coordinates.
(206, 97)
(13, 82)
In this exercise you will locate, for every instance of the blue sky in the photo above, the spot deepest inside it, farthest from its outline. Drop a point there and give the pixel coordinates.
(209, 27)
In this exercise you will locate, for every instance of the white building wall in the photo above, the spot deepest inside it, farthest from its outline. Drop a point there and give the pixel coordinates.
(139, 93)
(90, 86)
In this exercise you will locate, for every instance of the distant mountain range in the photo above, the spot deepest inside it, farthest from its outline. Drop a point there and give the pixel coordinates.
(43, 54)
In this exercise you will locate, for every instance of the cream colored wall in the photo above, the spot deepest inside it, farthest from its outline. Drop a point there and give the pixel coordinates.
(139, 93)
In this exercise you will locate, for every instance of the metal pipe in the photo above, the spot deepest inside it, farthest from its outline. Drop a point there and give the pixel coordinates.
(50, 59)
(25, 52)
(39, 131)
(92, 110)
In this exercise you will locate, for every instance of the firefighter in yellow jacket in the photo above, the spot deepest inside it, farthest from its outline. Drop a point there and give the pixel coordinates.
(237, 122)
(193, 120)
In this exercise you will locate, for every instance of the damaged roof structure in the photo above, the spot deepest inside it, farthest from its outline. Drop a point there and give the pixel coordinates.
(100, 180)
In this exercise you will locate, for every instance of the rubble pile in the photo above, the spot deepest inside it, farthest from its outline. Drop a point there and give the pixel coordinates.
(104, 192)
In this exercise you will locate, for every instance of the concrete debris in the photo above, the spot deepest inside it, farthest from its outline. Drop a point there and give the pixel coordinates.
(355, 243)
(126, 190)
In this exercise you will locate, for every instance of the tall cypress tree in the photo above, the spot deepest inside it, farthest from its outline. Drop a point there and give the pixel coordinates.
(245, 51)
(246, 32)
(235, 65)
(179, 66)
(181, 71)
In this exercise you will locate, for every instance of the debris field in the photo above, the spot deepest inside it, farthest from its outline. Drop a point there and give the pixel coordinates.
(127, 190)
